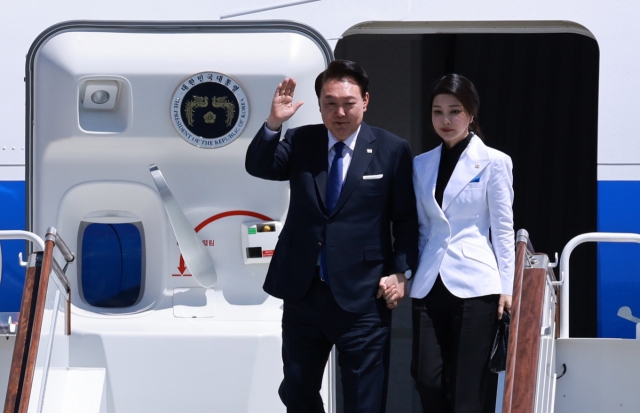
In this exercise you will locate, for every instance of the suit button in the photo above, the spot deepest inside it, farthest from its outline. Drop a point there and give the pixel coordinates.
(319, 245)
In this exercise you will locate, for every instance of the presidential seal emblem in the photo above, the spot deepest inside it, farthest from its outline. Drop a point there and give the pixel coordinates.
(209, 110)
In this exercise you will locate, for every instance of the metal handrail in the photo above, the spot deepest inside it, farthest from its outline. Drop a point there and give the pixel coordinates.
(60, 278)
(52, 234)
(523, 236)
(62, 282)
(18, 235)
(25, 235)
(64, 285)
(564, 267)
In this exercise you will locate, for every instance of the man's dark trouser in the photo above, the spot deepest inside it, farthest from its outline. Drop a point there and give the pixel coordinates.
(310, 327)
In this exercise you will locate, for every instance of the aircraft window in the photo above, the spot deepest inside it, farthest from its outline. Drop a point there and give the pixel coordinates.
(111, 264)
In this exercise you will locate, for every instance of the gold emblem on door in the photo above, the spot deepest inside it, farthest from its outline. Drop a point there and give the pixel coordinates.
(209, 110)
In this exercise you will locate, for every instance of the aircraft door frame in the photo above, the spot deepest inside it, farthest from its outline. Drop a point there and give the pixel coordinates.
(215, 27)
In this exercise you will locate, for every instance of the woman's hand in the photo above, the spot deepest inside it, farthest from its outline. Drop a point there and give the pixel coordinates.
(504, 304)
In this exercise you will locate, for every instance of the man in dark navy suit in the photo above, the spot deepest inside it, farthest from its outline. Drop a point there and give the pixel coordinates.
(349, 241)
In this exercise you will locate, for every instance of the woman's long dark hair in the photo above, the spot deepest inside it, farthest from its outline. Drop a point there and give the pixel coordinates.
(462, 89)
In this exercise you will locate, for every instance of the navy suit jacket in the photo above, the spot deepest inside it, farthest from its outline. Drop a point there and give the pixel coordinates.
(358, 233)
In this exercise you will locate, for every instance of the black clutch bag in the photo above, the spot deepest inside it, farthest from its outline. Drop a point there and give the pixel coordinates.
(498, 356)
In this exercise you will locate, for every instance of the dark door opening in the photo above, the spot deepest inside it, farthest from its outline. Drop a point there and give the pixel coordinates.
(539, 104)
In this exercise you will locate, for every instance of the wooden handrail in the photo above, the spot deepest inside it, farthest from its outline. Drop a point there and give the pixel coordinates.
(20, 359)
(34, 297)
(32, 352)
(521, 256)
(526, 322)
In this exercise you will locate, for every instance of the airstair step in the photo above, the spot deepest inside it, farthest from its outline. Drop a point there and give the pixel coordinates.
(70, 390)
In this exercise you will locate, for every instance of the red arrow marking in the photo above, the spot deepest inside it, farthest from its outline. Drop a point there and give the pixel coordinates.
(182, 267)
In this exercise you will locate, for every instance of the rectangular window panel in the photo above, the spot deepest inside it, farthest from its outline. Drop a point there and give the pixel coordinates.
(111, 264)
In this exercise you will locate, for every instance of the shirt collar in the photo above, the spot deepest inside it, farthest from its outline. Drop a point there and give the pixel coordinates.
(350, 142)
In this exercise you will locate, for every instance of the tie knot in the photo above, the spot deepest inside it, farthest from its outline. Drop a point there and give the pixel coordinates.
(339, 146)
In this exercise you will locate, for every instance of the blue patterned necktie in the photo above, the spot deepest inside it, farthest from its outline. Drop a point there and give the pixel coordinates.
(334, 186)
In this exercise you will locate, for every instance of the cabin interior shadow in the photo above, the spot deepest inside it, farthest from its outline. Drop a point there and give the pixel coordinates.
(539, 104)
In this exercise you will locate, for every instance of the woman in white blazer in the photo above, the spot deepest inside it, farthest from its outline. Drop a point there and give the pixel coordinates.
(464, 280)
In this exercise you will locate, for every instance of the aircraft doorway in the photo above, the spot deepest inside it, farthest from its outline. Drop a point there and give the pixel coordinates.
(539, 104)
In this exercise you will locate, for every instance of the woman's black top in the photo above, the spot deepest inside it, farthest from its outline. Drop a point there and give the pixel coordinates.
(448, 161)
